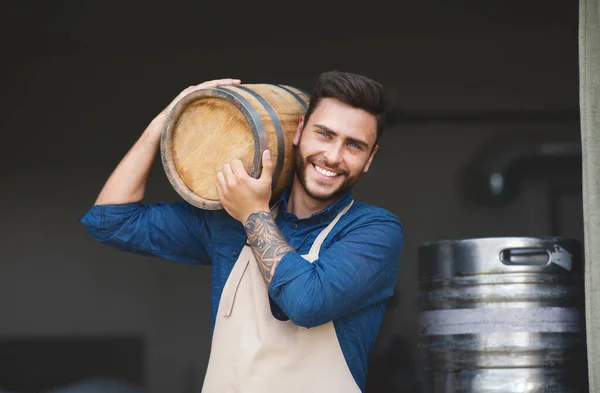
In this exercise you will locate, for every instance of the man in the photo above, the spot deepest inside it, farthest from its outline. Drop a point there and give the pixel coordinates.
(299, 288)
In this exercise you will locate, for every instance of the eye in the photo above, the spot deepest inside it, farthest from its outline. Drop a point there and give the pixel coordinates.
(324, 134)
(354, 145)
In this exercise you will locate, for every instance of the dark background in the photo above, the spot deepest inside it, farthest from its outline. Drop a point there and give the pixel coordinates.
(473, 81)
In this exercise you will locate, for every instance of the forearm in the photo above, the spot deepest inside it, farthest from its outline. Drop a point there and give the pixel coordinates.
(329, 288)
(354, 272)
(128, 181)
(267, 243)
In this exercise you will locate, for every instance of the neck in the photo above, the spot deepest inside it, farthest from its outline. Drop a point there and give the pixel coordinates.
(303, 205)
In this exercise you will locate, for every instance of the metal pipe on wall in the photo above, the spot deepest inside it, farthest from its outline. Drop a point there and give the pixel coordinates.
(589, 95)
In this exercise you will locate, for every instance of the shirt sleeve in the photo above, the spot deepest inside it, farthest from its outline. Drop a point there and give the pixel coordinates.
(175, 231)
(356, 272)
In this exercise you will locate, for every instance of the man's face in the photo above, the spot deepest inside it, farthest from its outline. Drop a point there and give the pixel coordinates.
(333, 148)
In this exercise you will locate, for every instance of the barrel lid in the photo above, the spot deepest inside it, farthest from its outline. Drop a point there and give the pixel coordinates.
(204, 130)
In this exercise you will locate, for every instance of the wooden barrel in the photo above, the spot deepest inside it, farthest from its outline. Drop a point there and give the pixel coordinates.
(210, 127)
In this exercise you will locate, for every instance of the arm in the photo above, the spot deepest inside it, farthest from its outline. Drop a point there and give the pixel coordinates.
(267, 243)
(356, 272)
(175, 231)
(128, 181)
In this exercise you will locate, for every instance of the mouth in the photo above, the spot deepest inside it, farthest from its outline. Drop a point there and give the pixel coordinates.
(325, 172)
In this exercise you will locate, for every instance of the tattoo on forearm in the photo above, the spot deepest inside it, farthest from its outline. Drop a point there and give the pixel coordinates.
(266, 241)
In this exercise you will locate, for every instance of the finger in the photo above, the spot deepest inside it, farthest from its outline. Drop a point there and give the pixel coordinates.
(228, 174)
(220, 82)
(220, 185)
(268, 166)
(221, 178)
(209, 84)
(228, 81)
(238, 169)
(221, 181)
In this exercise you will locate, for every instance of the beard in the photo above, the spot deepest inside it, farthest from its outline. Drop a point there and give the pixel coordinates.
(301, 166)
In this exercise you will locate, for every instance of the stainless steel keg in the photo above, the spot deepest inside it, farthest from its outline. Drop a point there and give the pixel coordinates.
(502, 315)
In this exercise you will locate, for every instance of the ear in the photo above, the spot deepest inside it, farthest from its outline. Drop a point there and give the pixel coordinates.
(368, 164)
(296, 139)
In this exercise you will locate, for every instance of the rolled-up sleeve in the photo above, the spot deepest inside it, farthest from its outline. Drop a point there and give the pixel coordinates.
(175, 231)
(357, 271)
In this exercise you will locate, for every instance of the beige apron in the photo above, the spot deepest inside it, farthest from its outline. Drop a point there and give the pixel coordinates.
(254, 352)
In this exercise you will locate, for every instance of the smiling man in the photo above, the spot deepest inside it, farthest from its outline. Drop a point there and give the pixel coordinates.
(300, 287)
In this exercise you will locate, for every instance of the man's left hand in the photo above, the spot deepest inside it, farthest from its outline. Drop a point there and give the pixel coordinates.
(241, 194)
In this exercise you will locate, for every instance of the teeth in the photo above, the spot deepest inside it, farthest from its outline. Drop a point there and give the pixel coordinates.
(325, 172)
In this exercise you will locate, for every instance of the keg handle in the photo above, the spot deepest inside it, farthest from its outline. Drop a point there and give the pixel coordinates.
(532, 256)
(525, 256)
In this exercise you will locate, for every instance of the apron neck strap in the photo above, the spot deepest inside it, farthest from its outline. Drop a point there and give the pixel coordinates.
(316, 247)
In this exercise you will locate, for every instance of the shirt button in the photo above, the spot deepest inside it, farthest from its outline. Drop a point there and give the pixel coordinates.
(235, 254)
(294, 225)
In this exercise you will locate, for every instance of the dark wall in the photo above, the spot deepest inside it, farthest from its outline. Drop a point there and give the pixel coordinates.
(83, 79)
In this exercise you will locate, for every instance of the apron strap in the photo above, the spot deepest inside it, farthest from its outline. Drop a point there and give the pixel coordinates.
(316, 247)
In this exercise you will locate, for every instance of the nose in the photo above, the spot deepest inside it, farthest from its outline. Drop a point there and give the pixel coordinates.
(333, 155)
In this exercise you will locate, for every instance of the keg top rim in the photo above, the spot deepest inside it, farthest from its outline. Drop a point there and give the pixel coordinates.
(497, 238)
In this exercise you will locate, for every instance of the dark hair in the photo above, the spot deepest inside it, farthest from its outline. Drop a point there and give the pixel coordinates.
(358, 91)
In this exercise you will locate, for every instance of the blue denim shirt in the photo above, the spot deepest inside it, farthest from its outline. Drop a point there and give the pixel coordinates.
(349, 284)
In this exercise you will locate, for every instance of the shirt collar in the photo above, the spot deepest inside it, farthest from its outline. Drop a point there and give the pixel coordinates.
(328, 212)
